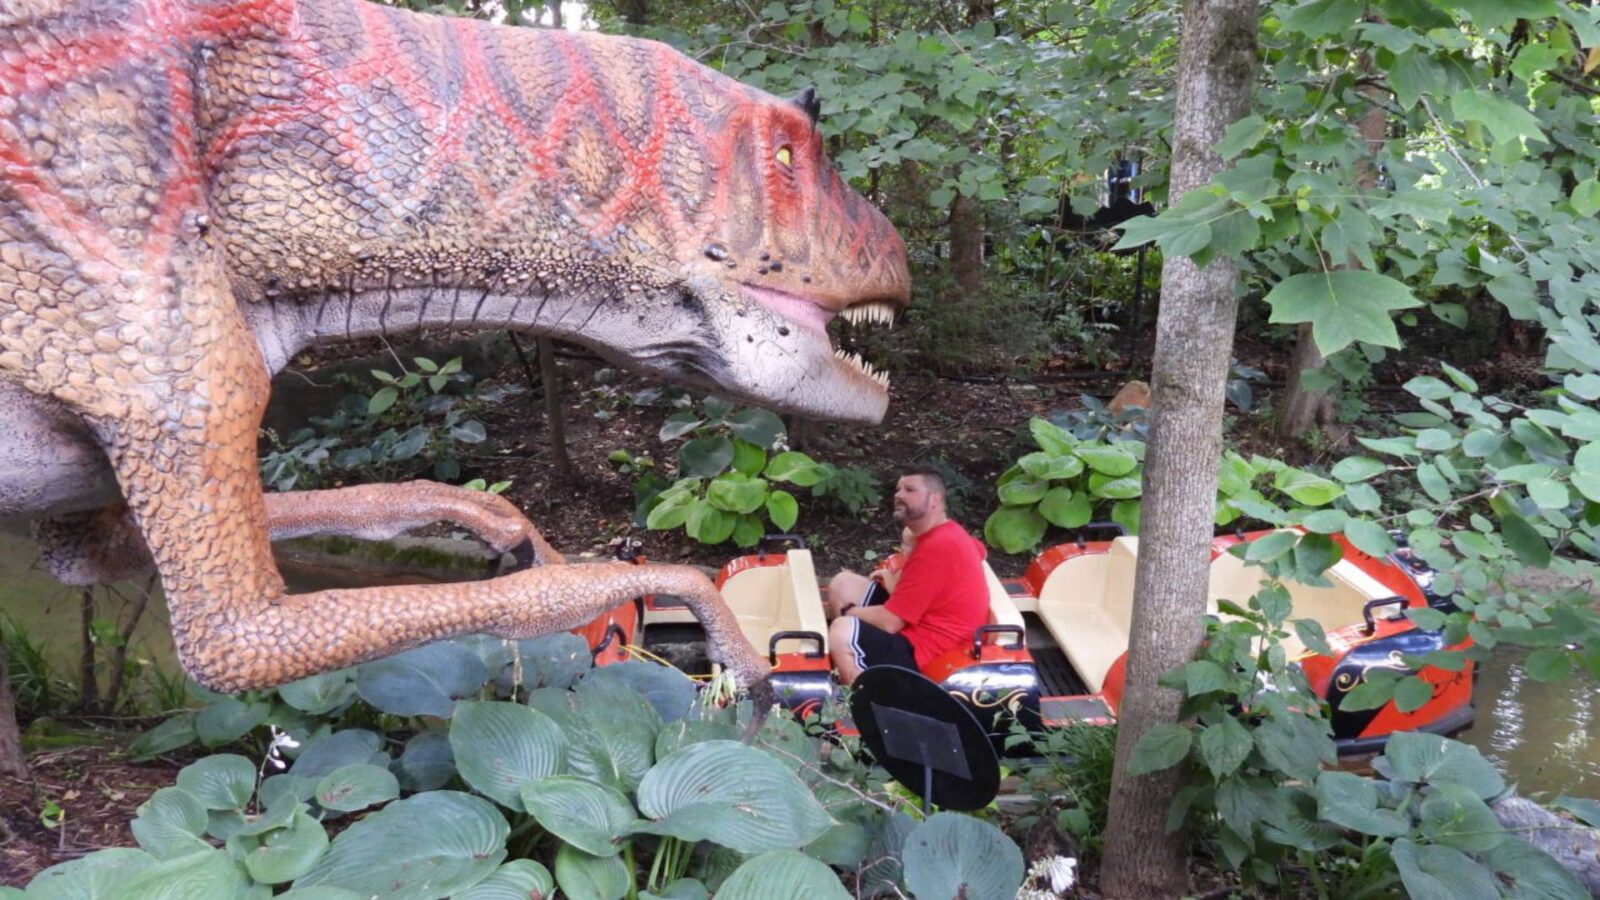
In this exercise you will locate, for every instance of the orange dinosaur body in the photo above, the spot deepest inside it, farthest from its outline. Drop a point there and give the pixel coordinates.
(191, 192)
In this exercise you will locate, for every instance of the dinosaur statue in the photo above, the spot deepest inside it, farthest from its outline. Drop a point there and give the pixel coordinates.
(193, 191)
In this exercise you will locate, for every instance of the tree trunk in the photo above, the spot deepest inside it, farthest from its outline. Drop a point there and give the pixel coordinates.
(1304, 408)
(1194, 334)
(553, 415)
(89, 687)
(966, 248)
(12, 761)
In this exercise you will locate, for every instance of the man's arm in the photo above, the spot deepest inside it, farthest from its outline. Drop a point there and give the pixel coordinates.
(878, 617)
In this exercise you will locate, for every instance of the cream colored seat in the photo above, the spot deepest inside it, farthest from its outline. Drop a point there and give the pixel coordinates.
(1087, 604)
(770, 599)
(1333, 606)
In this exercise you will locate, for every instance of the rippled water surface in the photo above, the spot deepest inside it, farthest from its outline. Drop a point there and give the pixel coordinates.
(1543, 736)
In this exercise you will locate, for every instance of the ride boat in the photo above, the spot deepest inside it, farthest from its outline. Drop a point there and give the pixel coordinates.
(1054, 648)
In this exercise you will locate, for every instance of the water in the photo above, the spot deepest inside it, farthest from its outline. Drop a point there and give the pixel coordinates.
(1539, 734)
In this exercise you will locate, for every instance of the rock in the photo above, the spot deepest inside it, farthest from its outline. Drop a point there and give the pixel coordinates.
(1134, 393)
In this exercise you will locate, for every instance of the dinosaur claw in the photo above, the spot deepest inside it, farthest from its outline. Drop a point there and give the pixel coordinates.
(762, 700)
(523, 555)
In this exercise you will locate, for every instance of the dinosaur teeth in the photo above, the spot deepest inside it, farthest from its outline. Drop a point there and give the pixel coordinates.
(864, 367)
(876, 312)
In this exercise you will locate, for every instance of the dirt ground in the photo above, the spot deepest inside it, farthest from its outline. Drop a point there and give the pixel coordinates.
(95, 791)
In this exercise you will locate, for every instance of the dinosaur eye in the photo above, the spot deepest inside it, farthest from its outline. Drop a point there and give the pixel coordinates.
(785, 156)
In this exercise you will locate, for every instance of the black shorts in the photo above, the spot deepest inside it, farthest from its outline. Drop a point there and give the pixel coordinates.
(872, 646)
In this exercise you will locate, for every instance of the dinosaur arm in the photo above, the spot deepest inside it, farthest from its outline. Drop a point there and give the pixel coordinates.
(377, 512)
(104, 546)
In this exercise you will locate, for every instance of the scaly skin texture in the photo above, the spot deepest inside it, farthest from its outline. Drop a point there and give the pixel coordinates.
(191, 192)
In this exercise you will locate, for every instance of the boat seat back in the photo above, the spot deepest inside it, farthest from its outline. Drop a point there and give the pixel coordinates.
(770, 599)
(1333, 606)
(1002, 609)
(1087, 605)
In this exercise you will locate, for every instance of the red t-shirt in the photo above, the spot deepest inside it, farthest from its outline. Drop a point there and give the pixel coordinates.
(942, 594)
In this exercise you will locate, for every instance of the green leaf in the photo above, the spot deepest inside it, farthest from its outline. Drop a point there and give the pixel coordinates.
(737, 493)
(757, 426)
(1369, 537)
(1548, 664)
(1418, 757)
(1051, 465)
(425, 680)
(1161, 747)
(1455, 817)
(709, 525)
(953, 856)
(499, 747)
(585, 877)
(1586, 197)
(519, 879)
(782, 509)
(1359, 468)
(595, 818)
(1343, 307)
(353, 788)
(1064, 508)
(1507, 120)
(748, 459)
(1524, 540)
(1440, 873)
(98, 876)
(1113, 461)
(382, 400)
(705, 457)
(170, 823)
(672, 511)
(1371, 693)
(679, 424)
(1350, 801)
(782, 875)
(1412, 693)
(223, 781)
(1204, 676)
(210, 873)
(1014, 528)
(1310, 633)
(175, 732)
(282, 854)
(610, 727)
(1321, 18)
(431, 844)
(733, 794)
(1023, 491)
(1587, 811)
(1225, 746)
(1052, 437)
(226, 719)
(320, 694)
(1534, 872)
(1126, 513)
(1270, 546)
(795, 468)
(1306, 488)
(1241, 136)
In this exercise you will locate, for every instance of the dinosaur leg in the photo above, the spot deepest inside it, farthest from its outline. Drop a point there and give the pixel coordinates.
(104, 546)
(191, 481)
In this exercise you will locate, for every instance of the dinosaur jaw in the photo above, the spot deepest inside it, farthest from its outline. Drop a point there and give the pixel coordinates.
(849, 375)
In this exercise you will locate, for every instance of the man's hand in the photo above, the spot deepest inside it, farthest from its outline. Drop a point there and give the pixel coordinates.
(880, 618)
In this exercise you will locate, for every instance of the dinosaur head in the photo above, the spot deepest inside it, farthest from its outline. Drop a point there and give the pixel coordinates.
(786, 247)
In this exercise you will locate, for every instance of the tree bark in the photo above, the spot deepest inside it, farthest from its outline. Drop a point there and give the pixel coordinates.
(12, 760)
(966, 213)
(1304, 408)
(553, 415)
(1194, 335)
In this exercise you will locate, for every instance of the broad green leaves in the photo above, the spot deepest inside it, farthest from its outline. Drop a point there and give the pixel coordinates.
(733, 794)
(1342, 306)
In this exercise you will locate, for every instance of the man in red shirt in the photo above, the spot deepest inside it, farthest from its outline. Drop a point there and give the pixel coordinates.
(939, 602)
